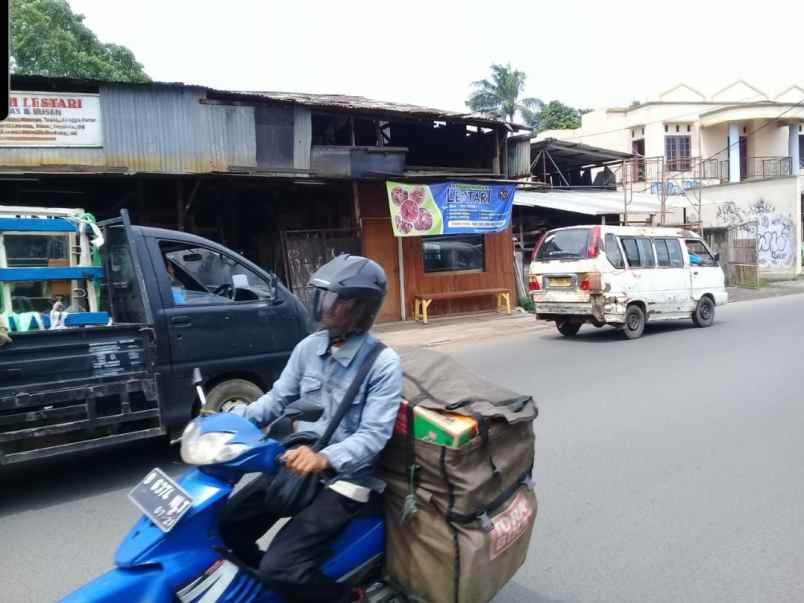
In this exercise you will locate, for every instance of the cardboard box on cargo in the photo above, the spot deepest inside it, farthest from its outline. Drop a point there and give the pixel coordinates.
(444, 429)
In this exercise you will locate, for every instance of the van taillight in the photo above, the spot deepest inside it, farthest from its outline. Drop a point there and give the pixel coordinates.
(594, 243)
(591, 281)
(533, 283)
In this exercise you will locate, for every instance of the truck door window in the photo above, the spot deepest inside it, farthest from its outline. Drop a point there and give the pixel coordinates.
(676, 259)
(613, 252)
(631, 252)
(201, 276)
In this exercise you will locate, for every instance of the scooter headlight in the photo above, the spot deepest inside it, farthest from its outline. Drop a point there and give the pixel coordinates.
(208, 448)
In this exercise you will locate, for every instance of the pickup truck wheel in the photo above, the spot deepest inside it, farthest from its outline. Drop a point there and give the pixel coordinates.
(634, 322)
(230, 393)
(704, 314)
(568, 328)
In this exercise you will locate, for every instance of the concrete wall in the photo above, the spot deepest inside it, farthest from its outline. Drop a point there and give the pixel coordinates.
(775, 207)
(615, 129)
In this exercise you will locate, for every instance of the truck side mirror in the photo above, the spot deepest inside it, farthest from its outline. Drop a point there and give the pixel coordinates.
(717, 258)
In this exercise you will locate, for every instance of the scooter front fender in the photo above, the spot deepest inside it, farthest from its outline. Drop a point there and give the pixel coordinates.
(131, 584)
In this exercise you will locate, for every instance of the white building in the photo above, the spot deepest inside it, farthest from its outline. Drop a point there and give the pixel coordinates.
(731, 157)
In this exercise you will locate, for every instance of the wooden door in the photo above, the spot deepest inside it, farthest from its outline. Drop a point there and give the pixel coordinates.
(380, 245)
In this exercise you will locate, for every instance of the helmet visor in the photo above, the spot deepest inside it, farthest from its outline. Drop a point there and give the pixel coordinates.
(323, 301)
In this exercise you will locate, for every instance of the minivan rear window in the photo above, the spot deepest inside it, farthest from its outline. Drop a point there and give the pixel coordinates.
(564, 244)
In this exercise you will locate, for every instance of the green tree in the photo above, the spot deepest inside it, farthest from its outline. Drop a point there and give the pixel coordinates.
(499, 96)
(48, 38)
(557, 116)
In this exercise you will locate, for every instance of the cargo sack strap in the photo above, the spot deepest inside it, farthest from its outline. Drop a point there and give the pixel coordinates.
(483, 430)
(410, 508)
(484, 515)
(349, 396)
(456, 544)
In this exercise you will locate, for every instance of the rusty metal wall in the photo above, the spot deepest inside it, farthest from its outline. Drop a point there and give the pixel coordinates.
(164, 130)
(518, 158)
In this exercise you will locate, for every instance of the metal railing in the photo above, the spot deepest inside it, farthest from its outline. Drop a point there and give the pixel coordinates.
(697, 171)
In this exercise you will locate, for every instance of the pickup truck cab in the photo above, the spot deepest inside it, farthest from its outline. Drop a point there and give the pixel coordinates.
(175, 301)
(624, 276)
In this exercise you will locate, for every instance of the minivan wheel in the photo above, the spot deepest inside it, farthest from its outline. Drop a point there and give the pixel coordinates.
(704, 314)
(568, 328)
(634, 322)
(234, 392)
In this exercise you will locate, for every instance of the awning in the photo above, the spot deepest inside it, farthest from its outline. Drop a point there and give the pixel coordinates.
(592, 203)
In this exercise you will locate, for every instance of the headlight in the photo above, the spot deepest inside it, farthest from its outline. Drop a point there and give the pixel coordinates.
(208, 448)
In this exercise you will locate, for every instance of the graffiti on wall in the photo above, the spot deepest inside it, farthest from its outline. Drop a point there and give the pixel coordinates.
(773, 230)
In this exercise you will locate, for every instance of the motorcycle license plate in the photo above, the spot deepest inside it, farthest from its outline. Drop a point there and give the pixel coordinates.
(161, 499)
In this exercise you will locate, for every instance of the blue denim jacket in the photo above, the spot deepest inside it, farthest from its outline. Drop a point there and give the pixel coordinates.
(318, 375)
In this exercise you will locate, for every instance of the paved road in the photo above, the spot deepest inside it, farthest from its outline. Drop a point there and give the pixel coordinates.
(668, 469)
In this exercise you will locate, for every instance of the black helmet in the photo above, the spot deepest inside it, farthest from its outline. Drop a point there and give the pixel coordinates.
(350, 277)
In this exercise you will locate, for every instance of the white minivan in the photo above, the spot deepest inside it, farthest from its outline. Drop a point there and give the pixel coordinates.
(624, 276)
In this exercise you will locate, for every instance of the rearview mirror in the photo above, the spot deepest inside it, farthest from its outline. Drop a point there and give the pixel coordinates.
(304, 411)
(192, 257)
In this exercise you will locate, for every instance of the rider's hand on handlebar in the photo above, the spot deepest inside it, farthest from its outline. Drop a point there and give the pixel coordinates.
(303, 460)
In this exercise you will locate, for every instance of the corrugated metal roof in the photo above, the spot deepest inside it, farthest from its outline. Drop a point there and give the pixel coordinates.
(341, 102)
(592, 203)
(361, 104)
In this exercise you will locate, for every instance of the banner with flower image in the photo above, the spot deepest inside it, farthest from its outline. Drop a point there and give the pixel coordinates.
(419, 210)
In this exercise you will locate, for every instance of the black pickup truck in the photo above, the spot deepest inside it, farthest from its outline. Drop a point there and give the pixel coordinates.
(176, 301)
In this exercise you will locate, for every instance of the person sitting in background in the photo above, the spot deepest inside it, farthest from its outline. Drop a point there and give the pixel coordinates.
(176, 286)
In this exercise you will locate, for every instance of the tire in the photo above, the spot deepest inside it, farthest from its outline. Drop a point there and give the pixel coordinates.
(568, 328)
(704, 314)
(634, 322)
(233, 391)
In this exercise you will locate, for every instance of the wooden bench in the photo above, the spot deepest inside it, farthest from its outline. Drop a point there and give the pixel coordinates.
(423, 300)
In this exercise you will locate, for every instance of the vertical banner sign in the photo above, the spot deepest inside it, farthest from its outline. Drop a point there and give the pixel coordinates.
(449, 208)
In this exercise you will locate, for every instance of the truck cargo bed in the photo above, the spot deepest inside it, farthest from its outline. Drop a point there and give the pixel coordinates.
(76, 389)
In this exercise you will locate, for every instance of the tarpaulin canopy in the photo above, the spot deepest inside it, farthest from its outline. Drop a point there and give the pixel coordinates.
(593, 203)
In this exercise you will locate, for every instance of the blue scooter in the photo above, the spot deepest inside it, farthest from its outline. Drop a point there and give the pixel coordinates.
(175, 552)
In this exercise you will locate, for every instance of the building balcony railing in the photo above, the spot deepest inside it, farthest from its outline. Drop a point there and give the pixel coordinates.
(697, 171)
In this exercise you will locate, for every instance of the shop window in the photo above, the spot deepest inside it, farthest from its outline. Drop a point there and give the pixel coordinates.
(677, 153)
(455, 253)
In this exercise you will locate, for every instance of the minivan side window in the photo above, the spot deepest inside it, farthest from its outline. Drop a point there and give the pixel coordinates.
(662, 253)
(646, 252)
(631, 252)
(699, 254)
(676, 259)
(613, 252)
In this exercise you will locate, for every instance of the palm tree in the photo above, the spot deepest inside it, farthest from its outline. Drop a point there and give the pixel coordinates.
(499, 96)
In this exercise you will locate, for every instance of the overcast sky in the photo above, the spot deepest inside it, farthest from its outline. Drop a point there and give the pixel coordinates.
(588, 54)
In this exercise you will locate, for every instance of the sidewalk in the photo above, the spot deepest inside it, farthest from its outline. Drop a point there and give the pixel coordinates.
(441, 331)
(477, 327)
(774, 289)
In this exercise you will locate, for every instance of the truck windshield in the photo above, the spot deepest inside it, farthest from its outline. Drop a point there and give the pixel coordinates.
(564, 244)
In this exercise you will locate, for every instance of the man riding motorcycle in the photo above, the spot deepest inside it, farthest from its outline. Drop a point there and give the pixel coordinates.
(349, 291)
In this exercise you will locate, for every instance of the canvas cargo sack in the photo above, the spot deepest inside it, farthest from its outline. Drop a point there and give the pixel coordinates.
(459, 520)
